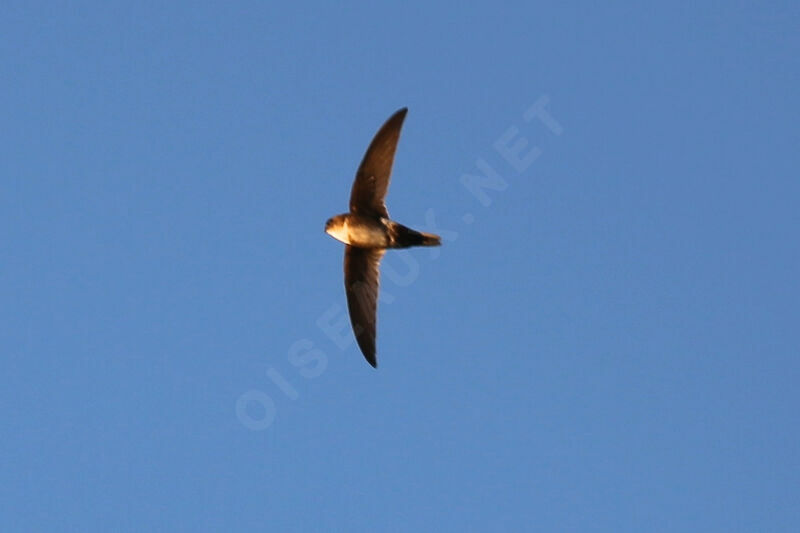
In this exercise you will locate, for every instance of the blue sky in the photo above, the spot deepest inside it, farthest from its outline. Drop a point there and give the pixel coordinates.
(607, 340)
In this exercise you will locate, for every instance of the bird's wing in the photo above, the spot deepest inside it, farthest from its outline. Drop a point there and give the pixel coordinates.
(372, 178)
(361, 280)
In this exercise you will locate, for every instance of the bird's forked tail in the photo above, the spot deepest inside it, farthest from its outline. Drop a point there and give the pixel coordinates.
(429, 239)
(404, 237)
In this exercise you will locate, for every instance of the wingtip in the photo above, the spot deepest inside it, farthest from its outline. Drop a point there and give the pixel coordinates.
(397, 119)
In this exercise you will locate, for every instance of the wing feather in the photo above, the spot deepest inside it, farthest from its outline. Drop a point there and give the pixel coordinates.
(361, 282)
(374, 173)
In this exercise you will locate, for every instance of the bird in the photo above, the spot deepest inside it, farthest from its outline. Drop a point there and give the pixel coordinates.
(367, 232)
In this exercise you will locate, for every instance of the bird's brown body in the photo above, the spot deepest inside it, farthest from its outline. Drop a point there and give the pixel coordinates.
(368, 232)
(376, 232)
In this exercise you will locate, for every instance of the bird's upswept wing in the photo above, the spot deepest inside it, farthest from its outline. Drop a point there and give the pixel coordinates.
(361, 280)
(372, 178)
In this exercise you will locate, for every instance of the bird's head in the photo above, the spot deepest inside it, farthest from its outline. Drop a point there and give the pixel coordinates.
(335, 227)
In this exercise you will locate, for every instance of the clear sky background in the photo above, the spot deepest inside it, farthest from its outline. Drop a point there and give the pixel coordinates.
(611, 344)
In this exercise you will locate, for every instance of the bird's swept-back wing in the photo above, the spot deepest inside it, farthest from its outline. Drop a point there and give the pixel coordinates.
(361, 280)
(372, 178)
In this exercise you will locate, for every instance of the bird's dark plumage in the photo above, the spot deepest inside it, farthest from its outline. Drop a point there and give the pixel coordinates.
(361, 281)
(375, 171)
(368, 232)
